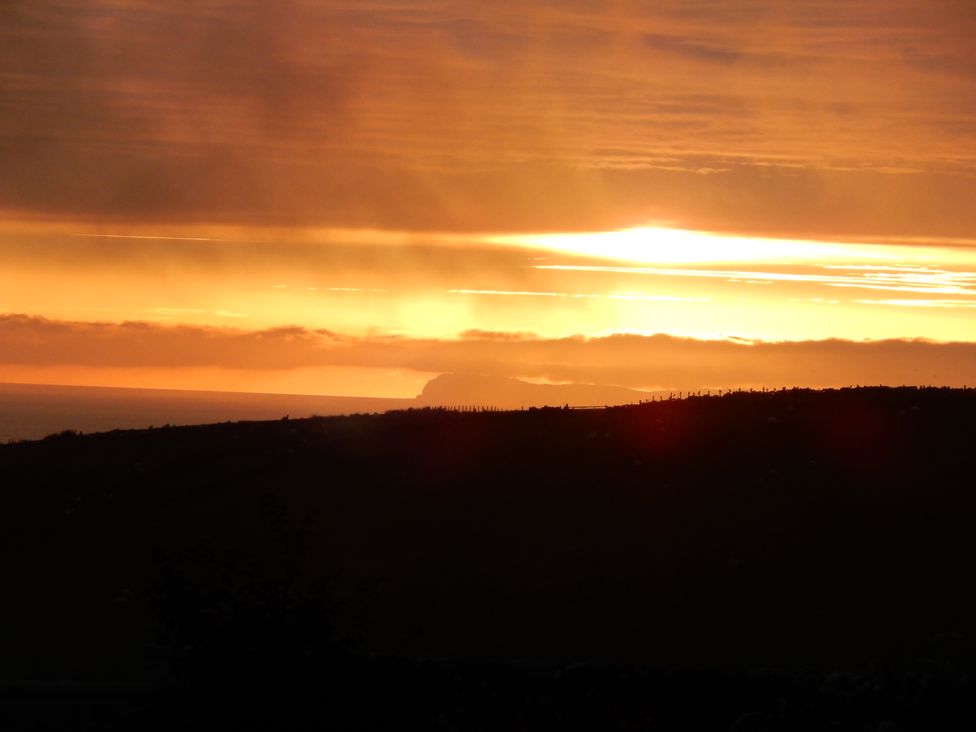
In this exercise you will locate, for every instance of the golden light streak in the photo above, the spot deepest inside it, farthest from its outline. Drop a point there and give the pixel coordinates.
(949, 304)
(659, 245)
(147, 236)
(946, 283)
(582, 295)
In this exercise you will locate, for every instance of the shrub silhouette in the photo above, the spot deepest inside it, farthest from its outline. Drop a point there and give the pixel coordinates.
(227, 620)
(248, 638)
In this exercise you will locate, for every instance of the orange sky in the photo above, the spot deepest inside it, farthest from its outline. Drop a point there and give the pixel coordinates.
(348, 197)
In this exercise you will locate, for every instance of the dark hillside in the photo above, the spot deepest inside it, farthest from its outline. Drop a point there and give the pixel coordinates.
(807, 531)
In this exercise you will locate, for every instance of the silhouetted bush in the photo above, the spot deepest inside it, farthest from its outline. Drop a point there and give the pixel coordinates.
(246, 639)
(63, 435)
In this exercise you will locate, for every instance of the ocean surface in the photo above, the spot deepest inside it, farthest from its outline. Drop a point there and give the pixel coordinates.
(30, 412)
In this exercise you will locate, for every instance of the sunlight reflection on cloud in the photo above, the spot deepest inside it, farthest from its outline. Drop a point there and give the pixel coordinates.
(927, 281)
(666, 246)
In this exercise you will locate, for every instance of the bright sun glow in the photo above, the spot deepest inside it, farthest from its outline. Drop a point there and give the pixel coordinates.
(658, 245)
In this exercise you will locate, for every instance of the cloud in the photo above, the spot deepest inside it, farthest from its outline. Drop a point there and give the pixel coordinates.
(657, 361)
(810, 116)
(688, 48)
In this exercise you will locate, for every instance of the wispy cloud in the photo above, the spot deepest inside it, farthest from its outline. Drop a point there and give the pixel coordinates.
(197, 311)
(582, 295)
(154, 237)
(921, 303)
(312, 288)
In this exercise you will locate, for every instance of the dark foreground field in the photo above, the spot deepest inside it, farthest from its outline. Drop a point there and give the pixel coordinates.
(791, 560)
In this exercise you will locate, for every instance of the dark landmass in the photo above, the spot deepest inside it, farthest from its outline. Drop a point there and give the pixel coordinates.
(788, 560)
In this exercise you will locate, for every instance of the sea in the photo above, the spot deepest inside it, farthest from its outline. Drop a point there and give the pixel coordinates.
(31, 412)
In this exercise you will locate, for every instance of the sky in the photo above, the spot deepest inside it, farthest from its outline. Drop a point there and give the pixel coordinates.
(351, 197)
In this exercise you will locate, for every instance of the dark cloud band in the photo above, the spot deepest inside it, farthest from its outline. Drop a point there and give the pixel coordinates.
(658, 361)
(809, 117)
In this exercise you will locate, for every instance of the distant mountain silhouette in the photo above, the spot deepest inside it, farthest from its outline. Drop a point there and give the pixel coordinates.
(496, 391)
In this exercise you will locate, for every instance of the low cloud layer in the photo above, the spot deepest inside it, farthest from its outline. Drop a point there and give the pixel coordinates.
(647, 362)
